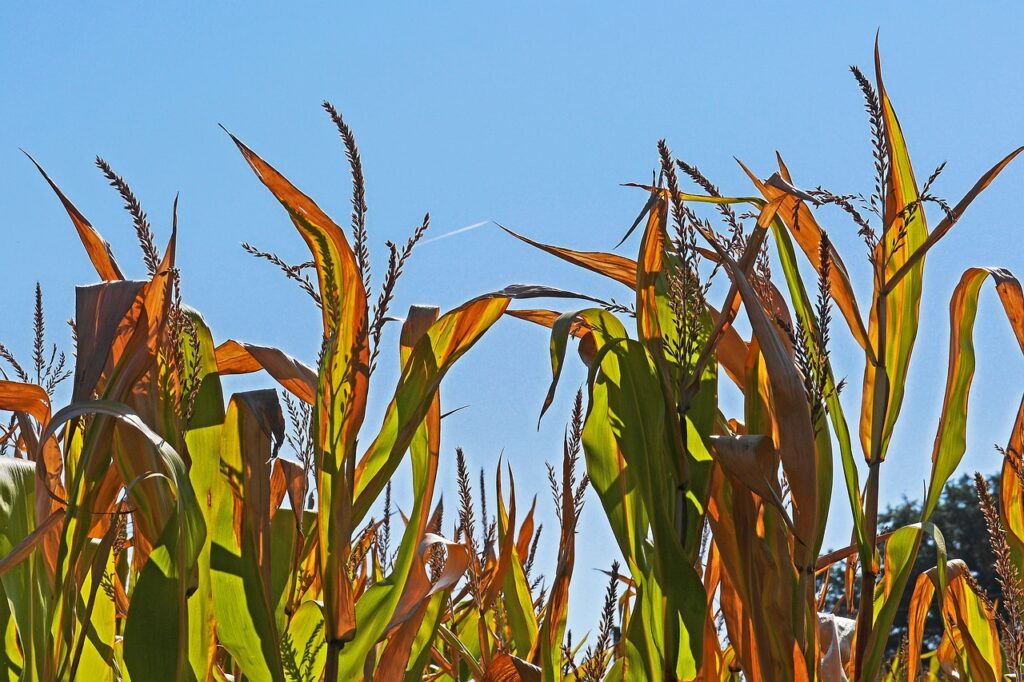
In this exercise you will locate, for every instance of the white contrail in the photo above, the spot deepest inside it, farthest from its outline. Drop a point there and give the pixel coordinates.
(467, 228)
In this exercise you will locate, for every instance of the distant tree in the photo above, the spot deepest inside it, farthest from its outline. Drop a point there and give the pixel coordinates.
(959, 517)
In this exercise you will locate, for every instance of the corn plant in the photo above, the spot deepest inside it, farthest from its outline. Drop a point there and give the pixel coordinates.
(145, 529)
(153, 530)
(726, 514)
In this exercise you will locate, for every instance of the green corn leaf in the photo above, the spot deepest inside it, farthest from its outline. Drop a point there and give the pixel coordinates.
(951, 440)
(25, 584)
(900, 554)
(304, 649)
(895, 314)
(517, 602)
(376, 608)
(342, 386)
(425, 636)
(155, 643)
(240, 556)
(203, 441)
(636, 414)
(446, 341)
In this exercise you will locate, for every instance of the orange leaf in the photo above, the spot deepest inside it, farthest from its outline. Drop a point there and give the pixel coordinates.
(619, 268)
(236, 357)
(98, 249)
(807, 233)
(287, 478)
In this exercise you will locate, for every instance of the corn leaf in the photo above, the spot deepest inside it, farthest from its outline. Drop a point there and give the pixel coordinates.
(400, 591)
(628, 381)
(156, 644)
(236, 357)
(203, 438)
(95, 246)
(619, 268)
(434, 354)
(304, 647)
(795, 433)
(342, 385)
(804, 311)
(240, 555)
(901, 550)
(917, 612)
(951, 440)
(894, 319)
(1011, 491)
(25, 583)
(974, 631)
(518, 601)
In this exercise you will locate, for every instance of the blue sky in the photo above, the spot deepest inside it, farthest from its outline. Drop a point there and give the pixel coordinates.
(527, 113)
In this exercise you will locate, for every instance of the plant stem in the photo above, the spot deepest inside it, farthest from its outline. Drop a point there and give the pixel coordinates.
(331, 667)
(865, 612)
(880, 402)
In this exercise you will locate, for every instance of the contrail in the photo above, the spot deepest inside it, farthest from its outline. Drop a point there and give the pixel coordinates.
(467, 228)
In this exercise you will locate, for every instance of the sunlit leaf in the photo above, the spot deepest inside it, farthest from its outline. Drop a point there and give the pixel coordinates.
(951, 440)
(98, 249)
(446, 341)
(894, 318)
(342, 386)
(240, 556)
(235, 357)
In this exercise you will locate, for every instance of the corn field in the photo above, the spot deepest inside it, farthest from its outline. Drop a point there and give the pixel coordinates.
(154, 528)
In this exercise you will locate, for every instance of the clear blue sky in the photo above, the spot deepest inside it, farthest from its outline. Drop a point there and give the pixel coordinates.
(531, 116)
